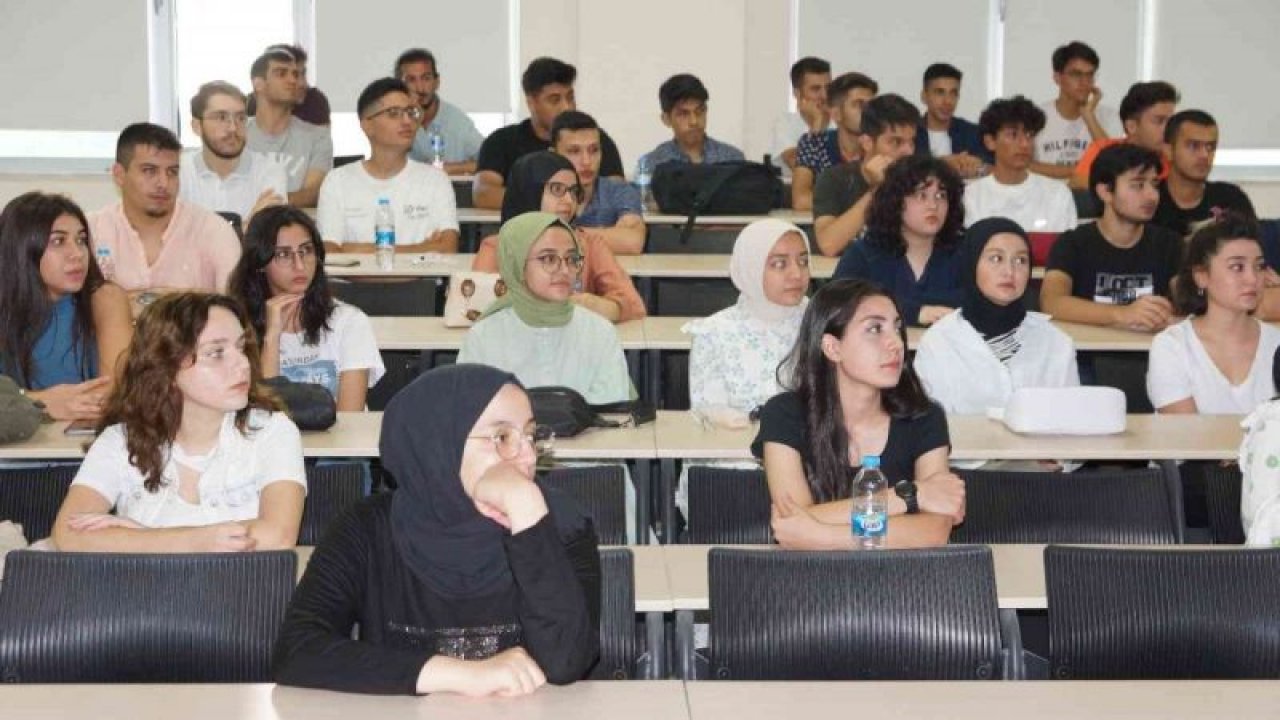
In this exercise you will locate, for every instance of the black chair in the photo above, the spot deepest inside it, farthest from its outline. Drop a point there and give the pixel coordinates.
(1087, 206)
(331, 489)
(420, 297)
(31, 496)
(462, 193)
(1125, 371)
(1124, 507)
(694, 298)
(402, 368)
(1222, 487)
(619, 649)
(727, 507)
(602, 491)
(340, 160)
(1163, 614)
(702, 241)
(113, 618)
(675, 381)
(235, 221)
(876, 615)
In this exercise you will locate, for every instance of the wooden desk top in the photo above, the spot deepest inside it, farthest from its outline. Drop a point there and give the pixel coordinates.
(796, 217)
(663, 265)
(676, 265)
(430, 333)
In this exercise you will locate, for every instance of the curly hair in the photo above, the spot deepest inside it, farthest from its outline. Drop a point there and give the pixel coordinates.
(904, 177)
(1189, 298)
(146, 398)
(248, 282)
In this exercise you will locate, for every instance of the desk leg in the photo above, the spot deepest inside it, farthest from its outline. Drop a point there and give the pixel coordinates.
(667, 477)
(643, 479)
(1015, 667)
(686, 663)
(656, 639)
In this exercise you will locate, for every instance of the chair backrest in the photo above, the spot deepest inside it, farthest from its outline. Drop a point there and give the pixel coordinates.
(619, 649)
(602, 491)
(331, 489)
(420, 297)
(31, 496)
(1119, 508)
(692, 297)
(90, 617)
(727, 507)
(873, 615)
(1222, 489)
(1119, 613)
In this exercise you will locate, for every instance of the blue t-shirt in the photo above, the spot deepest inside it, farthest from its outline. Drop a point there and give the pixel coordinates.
(612, 199)
(938, 285)
(56, 358)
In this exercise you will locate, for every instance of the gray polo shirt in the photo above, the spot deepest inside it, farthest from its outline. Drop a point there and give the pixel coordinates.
(302, 147)
(461, 138)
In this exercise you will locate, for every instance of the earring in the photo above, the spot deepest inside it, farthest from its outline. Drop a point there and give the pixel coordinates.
(1200, 292)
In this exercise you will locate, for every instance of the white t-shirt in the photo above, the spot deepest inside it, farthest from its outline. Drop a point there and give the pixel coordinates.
(1063, 141)
(1038, 204)
(239, 468)
(348, 345)
(421, 197)
(236, 193)
(939, 143)
(1181, 368)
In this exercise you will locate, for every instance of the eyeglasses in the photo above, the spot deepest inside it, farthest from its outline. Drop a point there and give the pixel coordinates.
(551, 263)
(413, 112)
(508, 440)
(222, 117)
(558, 189)
(285, 255)
(925, 196)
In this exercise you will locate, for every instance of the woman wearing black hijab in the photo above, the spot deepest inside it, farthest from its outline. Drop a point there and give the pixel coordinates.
(465, 579)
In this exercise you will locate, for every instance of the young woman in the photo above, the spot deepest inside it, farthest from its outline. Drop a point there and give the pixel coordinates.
(913, 225)
(1218, 360)
(544, 181)
(850, 394)
(307, 335)
(192, 457)
(64, 327)
(535, 330)
(465, 579)
(974, 359)
(733, 363)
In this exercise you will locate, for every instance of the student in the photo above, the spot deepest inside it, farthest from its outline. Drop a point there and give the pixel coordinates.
(1145, 111)
(1188, 197)
(610, 210)
(944, 135)
(468, 578)
(844, 192)
(846, 96)
(546, 182)
(850, 394)
(310, 104)
(535, 330)
(1076, 117)
(974, 358)
(306, 334)
(1116, 271)
(809, 79)
(1219, 359)
(733, 362)
(64, 327)
(304, 149)
(683, 99)
(417, 69)
(913, 226)
(192, 457)
(1012, 191)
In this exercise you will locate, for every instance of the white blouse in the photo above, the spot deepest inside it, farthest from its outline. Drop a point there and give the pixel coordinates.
(1181, 368)
(733, 361)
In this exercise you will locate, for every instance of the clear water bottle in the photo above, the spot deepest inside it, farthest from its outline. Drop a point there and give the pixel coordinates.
(870, 516)
(644, 178)
(437, 148)
(106, 263)
(384, 235)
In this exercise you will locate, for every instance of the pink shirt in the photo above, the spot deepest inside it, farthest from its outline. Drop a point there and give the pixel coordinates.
(199, 250)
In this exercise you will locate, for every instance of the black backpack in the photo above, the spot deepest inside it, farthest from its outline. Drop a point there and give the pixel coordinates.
(733, 188)
(567, 413)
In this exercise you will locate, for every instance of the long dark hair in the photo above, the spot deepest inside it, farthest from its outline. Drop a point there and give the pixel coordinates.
(902, 178)
(813, 377)
(1203, 246)
(248, 282)
(25, 307)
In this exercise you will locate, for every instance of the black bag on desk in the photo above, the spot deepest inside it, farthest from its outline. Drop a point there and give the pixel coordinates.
(567, 413)
(20, 416)
(308, 405)
(734, 188)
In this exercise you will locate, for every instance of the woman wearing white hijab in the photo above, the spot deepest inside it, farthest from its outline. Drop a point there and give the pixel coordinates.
(733, 363)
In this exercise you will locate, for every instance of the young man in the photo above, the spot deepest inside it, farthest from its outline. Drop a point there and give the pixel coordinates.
(1033, 201)
(809, 79)
(683, 99)
(846, 96)
(417, 69)
(158, 243)
(844, 192)
(1188, 198)
(1145, 111)
(548, 91)
(941, 134)
(309, 103)
(1116, 271)
(421, 196)
(305, 150)
(610, 207)
(1076, 117)
(222, 176)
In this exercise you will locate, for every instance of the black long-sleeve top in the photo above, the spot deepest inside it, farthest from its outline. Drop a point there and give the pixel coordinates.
(357, 579)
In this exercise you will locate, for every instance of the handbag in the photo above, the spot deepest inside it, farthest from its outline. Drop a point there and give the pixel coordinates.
(470, 294)
(20, 416)
(308, 405)
(733, 188)
(567, 413)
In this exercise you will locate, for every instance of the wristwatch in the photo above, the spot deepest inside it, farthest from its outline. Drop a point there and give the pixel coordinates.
(906, 490)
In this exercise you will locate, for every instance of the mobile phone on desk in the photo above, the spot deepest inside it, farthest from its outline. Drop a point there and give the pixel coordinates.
(81, 427)
(342, 262)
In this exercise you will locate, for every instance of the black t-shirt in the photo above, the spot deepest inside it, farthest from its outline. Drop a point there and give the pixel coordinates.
(507, 144)
(1104, 273)
(782, 420)
(838, 188)
(1218, 196)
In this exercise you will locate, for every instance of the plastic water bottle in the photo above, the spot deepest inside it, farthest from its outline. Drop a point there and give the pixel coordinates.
(106, 263)
(437, 149)
(384, 235)
(870, 516)
(644, 177)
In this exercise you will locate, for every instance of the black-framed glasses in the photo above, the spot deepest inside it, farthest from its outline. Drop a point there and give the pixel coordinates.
(551, 262)
(558, 189)
(285, 255)
(413, 112)
(509, 440)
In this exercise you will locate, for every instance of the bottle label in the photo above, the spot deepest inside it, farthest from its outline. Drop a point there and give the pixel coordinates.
(384, 237)
(871, 524)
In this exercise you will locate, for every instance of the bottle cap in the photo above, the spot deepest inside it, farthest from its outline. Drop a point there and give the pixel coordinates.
(871, 462)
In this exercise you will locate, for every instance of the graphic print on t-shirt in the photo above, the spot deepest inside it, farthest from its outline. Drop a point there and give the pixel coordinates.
(317, 372)
(1067, 150)
(1122, 288)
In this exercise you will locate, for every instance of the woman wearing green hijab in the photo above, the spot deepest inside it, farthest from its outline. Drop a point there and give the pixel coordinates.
(534, 331)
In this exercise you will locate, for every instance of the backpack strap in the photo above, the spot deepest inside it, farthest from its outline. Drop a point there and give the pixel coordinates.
(703, 199)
